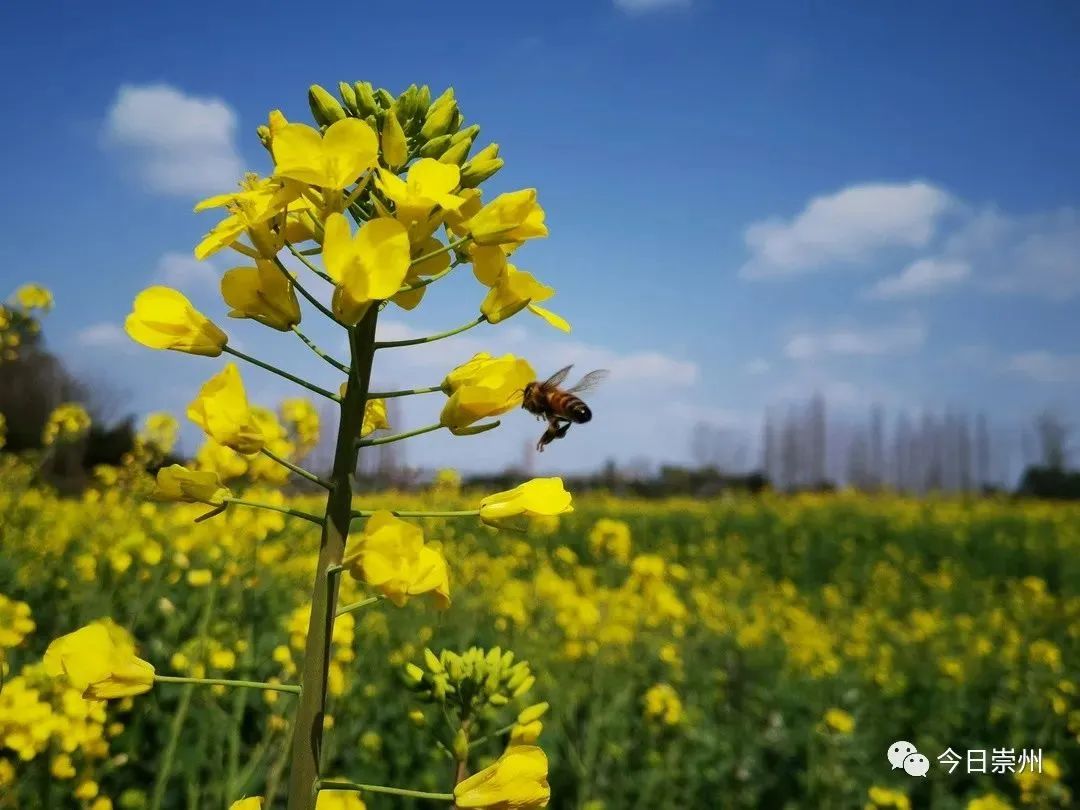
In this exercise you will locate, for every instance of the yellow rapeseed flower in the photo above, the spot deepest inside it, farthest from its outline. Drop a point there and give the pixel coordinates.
(511, 217)
(538, 497)
(332, 160)
(484, 386)
(260, 208)
(100, 660)
(662, 704)
(339, 799)
(34, 296)
(67, 423)
(221, 409)
(263, 293)
(517, 780)
(516, 290)
(163, 318)
(250, 803)
(391, 556)
(366, 267)
(839, 721)
(428, 184)
(178, 483)
(161, 430)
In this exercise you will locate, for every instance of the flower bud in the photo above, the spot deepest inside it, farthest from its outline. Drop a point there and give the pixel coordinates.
(498, 700)
(423, 99)
(324, 107)
(263, 131)
(469, 133)
(435, 147)
(457, 152)
(413, 676)
(348, 96)
(406, 103)
(441, 116)
(365, 99)
(531, 713)
(476, 171)
(433, 662)
(525, 686)
(461, 745)
(384, 99)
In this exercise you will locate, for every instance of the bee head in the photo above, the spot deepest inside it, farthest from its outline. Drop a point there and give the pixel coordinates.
(527, 393)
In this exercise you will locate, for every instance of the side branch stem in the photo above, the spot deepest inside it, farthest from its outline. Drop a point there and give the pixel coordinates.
(387, 344)
(310, 476)
(290, 377)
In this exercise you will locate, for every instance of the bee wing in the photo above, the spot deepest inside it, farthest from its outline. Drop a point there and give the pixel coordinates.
(589, 381)
(556, 379)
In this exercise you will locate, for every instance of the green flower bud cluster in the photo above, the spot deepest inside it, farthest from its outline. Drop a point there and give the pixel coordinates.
(471, 680)
(433, 129)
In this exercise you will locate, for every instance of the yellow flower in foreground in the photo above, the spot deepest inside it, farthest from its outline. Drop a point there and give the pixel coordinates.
(339, 799)
(429, 183)
(374, 417)
(34, 296)
(163, 318)
(250, 803)
(178, 483)
(515, 781)
(840, 721)
(516, 290)
(484, 386)
(989, 801)
(512, 217)
(221, 409)
(262, 293)
(100, 660)
(332, 160)
(68, 422)
(367, 267)
(887, 799)
(526, 733)
(538, 497)
(252, 209)
(391, 556)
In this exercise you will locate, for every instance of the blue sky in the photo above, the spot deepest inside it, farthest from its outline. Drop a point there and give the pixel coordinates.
(747, 202)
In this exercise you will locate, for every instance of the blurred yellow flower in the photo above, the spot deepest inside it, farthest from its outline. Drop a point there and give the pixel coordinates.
(161, 430)
(250, 803)
(484, 386)
(989, 801)
(538, 497)
(34, 296)
(67, 423)
(886, 799)
(263, 293)
(100, 660)
(221, 409)
(839, 721)
(511, 217)
(390, 555)
(331, 160)
(366, 267)
(662, 703)
(178, 483)
(517, 780)
(375, 417)
(163, 318)
(612, 537)
(302, 419)
(339, 799)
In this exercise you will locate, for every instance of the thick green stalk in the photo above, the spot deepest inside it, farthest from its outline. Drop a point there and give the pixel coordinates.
(308, 728)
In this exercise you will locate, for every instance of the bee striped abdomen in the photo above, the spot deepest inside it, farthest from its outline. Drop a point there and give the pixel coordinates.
(570, 407)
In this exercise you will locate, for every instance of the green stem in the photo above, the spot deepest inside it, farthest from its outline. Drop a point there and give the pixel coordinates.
(430, 279)
(386, 344)
(268, 687)
(404, 393)
(177, 726)
(312, 345)
(300, 255)
(329, 784)
(310, 712)
(315, 302)
(496, 733)
(283, 509)
(366, 513)
(310, 476)
(291, 378)
(397, 437)
(371, 600)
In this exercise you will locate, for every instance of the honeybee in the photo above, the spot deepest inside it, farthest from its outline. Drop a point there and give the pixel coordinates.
(560, 407)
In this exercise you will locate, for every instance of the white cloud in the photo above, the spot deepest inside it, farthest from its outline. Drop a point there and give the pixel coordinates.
(1045, 367)
(846, 227)
(178, 144)
(186, 273)
(871, 341)
(758, 366)
(922, 277)
(642, 6)
(1034, 255)
(103, 335)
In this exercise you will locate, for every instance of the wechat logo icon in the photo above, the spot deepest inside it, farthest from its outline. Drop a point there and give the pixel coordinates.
(906, 756)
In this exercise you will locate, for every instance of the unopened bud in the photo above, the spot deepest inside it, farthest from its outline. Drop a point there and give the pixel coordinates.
(531, 713)
(348, 97)
(263, 131)
(476, 171)
(413, 676)
(440, 116)
(435, 147)
(384, 99)
(469, 133)
(365, 99)
(461, 745)
(525, 686)
(324, 107)
(489, 152)
(498, 699)
(433, 662)
(457, 153)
